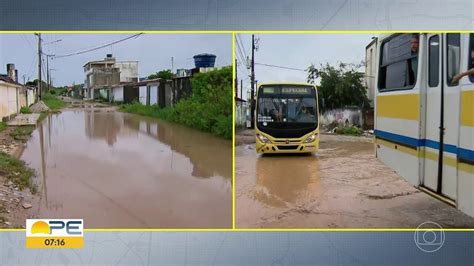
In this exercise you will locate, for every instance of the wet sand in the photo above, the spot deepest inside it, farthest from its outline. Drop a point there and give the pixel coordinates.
(342, 186)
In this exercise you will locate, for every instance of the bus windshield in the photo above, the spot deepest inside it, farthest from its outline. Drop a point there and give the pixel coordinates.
(287, 110)
(287, 107)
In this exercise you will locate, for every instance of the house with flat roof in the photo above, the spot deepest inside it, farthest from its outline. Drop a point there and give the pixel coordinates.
(106, 73)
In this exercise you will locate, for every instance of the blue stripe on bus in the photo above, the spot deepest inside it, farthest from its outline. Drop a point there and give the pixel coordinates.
(435, 145)
(463, 154)
(408, 141)
(466, 155)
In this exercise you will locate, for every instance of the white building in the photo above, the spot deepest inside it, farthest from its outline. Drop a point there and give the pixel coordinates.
(371, 69)
(103, 74)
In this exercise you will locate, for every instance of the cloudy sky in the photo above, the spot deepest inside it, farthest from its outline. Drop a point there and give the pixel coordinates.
(153, 51)
(297, 51)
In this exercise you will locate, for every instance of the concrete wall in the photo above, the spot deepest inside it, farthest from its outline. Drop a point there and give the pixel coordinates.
(370, 71)
(104, 77)
(169, 96)
(154, 94)
(181, 88)
(9, 102)
(130, 93)
(30, 97)
(240, 114)
(22, 97)
(104, 94)
(128, 71)
(342, 116)
(142, 97)
(117, 94)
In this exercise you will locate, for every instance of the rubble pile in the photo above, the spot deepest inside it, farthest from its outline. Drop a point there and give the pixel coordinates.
(39, 107)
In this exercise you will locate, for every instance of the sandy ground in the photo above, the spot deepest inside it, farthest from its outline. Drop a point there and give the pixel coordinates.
(342, 186)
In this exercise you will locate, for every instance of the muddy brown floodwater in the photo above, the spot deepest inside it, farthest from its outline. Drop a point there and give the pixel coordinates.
(118, 170)
(343, 185)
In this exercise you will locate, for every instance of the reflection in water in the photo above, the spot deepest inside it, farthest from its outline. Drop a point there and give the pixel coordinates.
(201, 150)
(286, 179)
(122, 170)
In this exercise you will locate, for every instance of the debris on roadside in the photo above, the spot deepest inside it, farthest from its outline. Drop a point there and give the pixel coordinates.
(24, 120)
(39, 107)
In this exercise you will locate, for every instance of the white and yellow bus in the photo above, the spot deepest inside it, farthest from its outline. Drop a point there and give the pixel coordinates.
(424, 124)
(287, 118)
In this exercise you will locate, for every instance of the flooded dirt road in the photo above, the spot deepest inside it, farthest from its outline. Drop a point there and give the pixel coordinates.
(118, 170)
(343, 186)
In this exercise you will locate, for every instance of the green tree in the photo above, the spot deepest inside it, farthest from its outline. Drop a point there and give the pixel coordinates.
(210, 106)
(163, 74)
(340, 86)
(34, 83)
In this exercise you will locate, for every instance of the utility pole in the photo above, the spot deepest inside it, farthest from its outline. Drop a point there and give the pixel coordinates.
(172, 65)
(241, 95)
(252, 86)
(47, 73)
(236, 80)
(39, 92)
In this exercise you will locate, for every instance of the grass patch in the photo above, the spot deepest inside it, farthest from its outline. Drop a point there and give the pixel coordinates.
(52, 101)
(16, 171)
(220, 126)
(348, 130)
(25, 110)
(22, 132)
(138, 108)
(3, 126)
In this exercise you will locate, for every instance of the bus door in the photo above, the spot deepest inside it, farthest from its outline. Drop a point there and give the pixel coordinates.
(442, 114)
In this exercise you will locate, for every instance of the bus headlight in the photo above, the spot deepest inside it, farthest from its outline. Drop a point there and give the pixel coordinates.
(311, 138)
(263, 138)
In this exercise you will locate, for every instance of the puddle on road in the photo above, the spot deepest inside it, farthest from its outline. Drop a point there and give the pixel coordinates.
(286, 179)
(119, 170)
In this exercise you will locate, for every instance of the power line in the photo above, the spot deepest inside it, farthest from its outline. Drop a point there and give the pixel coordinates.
(246, 51)
(98, 47)
(283, 67)
(243, 55)
(29, 43)
(241, 46)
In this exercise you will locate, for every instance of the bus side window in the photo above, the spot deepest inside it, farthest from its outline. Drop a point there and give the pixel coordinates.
(471, 55)
(399, 63)
(453, 57)
(433, 61)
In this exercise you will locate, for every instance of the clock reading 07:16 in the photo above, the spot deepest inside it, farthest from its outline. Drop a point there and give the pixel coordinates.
(54, 242)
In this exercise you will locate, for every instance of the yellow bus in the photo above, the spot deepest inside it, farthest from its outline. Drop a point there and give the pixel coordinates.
(424, 124)
(286, 118)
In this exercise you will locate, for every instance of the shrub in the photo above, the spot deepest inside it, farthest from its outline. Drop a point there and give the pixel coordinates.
(25, 110)
(3, 126)
(350, 130)
(208, 109)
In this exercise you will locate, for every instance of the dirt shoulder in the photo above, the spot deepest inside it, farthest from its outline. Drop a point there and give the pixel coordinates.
(15, 193)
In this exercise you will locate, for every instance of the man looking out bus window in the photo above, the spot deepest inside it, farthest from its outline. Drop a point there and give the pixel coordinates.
(413, 61)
